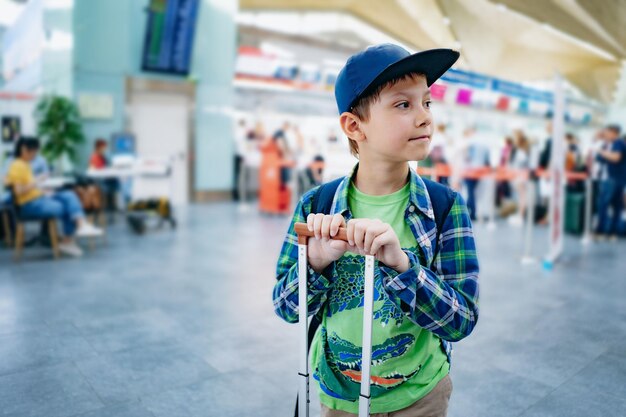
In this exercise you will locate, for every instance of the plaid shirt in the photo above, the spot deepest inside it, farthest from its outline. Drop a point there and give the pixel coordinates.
(439, 292)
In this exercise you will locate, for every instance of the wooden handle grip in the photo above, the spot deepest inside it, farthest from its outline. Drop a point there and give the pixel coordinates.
(303, 233)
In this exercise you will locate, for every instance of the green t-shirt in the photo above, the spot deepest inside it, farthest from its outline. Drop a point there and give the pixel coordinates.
(407, 361)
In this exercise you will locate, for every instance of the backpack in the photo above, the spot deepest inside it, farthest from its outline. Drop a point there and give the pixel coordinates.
(441, 198)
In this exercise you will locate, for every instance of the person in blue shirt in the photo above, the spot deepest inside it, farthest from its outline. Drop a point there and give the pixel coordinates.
(612, 158)
(39, 165)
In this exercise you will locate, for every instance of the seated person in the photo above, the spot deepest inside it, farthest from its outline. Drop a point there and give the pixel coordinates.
(315, 170)
(98, 158)
(39, 165)
(98, 161)
(35, 204)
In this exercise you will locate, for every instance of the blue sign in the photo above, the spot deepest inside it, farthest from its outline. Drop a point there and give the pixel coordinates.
(465, 77)
(519, 91)
(508, 88)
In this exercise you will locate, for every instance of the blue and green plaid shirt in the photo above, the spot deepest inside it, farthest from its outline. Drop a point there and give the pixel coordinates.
(439, 292)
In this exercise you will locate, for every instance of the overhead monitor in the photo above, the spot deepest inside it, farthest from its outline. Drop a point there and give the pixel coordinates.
(11, 128)
(123, 144)
(168, 41)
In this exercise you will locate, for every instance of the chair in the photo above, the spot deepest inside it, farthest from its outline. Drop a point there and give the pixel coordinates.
(21, 220)
(5, 212)
(94, 206)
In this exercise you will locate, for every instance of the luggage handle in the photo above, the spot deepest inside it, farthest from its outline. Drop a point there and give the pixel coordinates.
(303, 232)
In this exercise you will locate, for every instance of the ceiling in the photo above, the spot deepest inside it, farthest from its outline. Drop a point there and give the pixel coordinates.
(521, 40)
(9, 11)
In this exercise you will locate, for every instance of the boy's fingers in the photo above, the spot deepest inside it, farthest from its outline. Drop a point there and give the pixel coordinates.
(339, 245)
(310, 219)
(353, 249)
(380, 241)
(337, 222)
(376, 245)
(368, 238)
(350, 231)
(326, 226)
(317, 225)
(374, 228)
(359, 233)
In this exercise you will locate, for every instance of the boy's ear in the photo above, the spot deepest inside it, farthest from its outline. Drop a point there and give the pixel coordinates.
(351, 126)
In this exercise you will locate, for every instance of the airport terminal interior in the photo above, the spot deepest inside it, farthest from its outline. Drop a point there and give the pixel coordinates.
(153, 154)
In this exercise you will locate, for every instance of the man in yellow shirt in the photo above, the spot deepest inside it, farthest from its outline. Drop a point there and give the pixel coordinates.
(33, 203)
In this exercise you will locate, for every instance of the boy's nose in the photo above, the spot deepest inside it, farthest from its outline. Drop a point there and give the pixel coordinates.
(423, 118)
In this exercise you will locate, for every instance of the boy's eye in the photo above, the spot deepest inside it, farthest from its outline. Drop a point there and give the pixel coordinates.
(428, 104)
(403, 105)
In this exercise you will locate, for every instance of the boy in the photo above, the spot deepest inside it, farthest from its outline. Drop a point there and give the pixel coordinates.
(426, 280)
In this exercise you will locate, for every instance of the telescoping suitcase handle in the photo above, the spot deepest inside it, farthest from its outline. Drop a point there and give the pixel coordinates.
(303, 233)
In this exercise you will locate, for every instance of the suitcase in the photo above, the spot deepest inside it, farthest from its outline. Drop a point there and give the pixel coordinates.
(574, 212)
(138, 213)
(366, 357)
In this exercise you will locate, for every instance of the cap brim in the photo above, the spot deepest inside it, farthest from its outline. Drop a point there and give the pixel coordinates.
(433, 63)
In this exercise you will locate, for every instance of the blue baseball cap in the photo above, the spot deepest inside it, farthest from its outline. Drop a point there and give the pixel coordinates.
(374, 66)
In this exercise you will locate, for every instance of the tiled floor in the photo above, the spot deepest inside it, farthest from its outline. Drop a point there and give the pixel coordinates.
(181, 324)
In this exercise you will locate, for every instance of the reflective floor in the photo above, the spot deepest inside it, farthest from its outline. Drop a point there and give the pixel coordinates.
(181, 324)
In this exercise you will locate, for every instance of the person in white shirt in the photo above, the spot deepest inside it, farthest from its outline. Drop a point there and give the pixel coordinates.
(240, 138)
(520, 159)
(476, 156)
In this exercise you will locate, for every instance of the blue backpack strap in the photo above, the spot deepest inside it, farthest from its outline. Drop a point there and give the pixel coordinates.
(323, 198)
(442, 199)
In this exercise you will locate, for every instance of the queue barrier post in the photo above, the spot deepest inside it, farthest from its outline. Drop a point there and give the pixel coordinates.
(527, 257)
(242, 187)
(587, 239)
(491, 223)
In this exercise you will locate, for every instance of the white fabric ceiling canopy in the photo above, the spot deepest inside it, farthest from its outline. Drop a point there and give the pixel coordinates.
(521, 40)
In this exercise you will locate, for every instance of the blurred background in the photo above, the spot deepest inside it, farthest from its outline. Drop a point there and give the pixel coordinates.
(166, 143)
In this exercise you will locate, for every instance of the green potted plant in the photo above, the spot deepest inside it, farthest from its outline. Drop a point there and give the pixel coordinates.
(60, 130)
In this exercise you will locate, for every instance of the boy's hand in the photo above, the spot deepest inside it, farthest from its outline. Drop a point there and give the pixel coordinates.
(323, 250)
(373, 237)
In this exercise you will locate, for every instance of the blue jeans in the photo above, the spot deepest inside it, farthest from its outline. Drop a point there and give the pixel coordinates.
(64, 205)
(610, 194)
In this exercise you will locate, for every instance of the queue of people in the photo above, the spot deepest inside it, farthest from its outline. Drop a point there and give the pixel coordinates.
(280, 169)
(605, 163)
